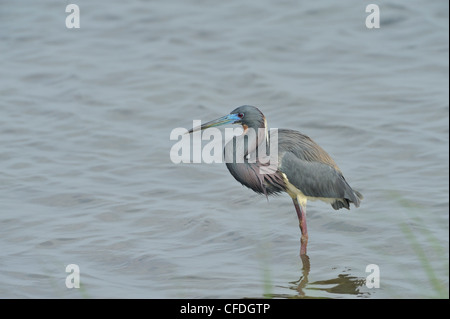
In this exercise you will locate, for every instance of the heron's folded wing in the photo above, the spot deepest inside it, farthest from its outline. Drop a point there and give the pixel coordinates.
(316, 179)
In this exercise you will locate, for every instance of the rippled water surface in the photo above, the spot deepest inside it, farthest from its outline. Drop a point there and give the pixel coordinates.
(86, 177)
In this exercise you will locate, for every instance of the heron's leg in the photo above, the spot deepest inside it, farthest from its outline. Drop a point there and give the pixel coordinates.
(302, 223)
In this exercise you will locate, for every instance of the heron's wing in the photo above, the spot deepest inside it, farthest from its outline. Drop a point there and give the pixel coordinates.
(314, 179)
(302, 146)
(309, 168)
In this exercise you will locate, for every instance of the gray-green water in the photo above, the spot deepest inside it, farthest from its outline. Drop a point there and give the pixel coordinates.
(86, 177)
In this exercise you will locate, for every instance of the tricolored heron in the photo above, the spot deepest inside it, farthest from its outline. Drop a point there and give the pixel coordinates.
(303, 169)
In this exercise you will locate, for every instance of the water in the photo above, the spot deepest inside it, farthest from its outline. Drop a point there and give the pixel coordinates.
(86, 177)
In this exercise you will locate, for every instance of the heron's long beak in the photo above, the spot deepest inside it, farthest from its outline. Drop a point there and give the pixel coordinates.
(227, 119)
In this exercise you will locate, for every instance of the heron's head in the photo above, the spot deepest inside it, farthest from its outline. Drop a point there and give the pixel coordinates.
(245, 115)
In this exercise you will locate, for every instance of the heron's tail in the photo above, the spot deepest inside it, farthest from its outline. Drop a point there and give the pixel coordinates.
(356, 200)
(355, 197)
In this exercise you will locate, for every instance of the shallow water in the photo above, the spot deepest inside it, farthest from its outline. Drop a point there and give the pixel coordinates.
(86, 177)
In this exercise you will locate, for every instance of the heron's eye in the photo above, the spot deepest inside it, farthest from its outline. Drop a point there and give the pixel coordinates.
(241, 115)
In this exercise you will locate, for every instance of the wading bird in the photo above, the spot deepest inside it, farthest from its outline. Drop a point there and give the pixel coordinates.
(303, 169)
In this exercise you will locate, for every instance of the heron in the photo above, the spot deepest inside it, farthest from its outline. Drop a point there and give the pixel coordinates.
(304, 170)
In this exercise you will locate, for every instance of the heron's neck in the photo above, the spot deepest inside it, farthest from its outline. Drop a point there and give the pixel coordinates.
(252, 139)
